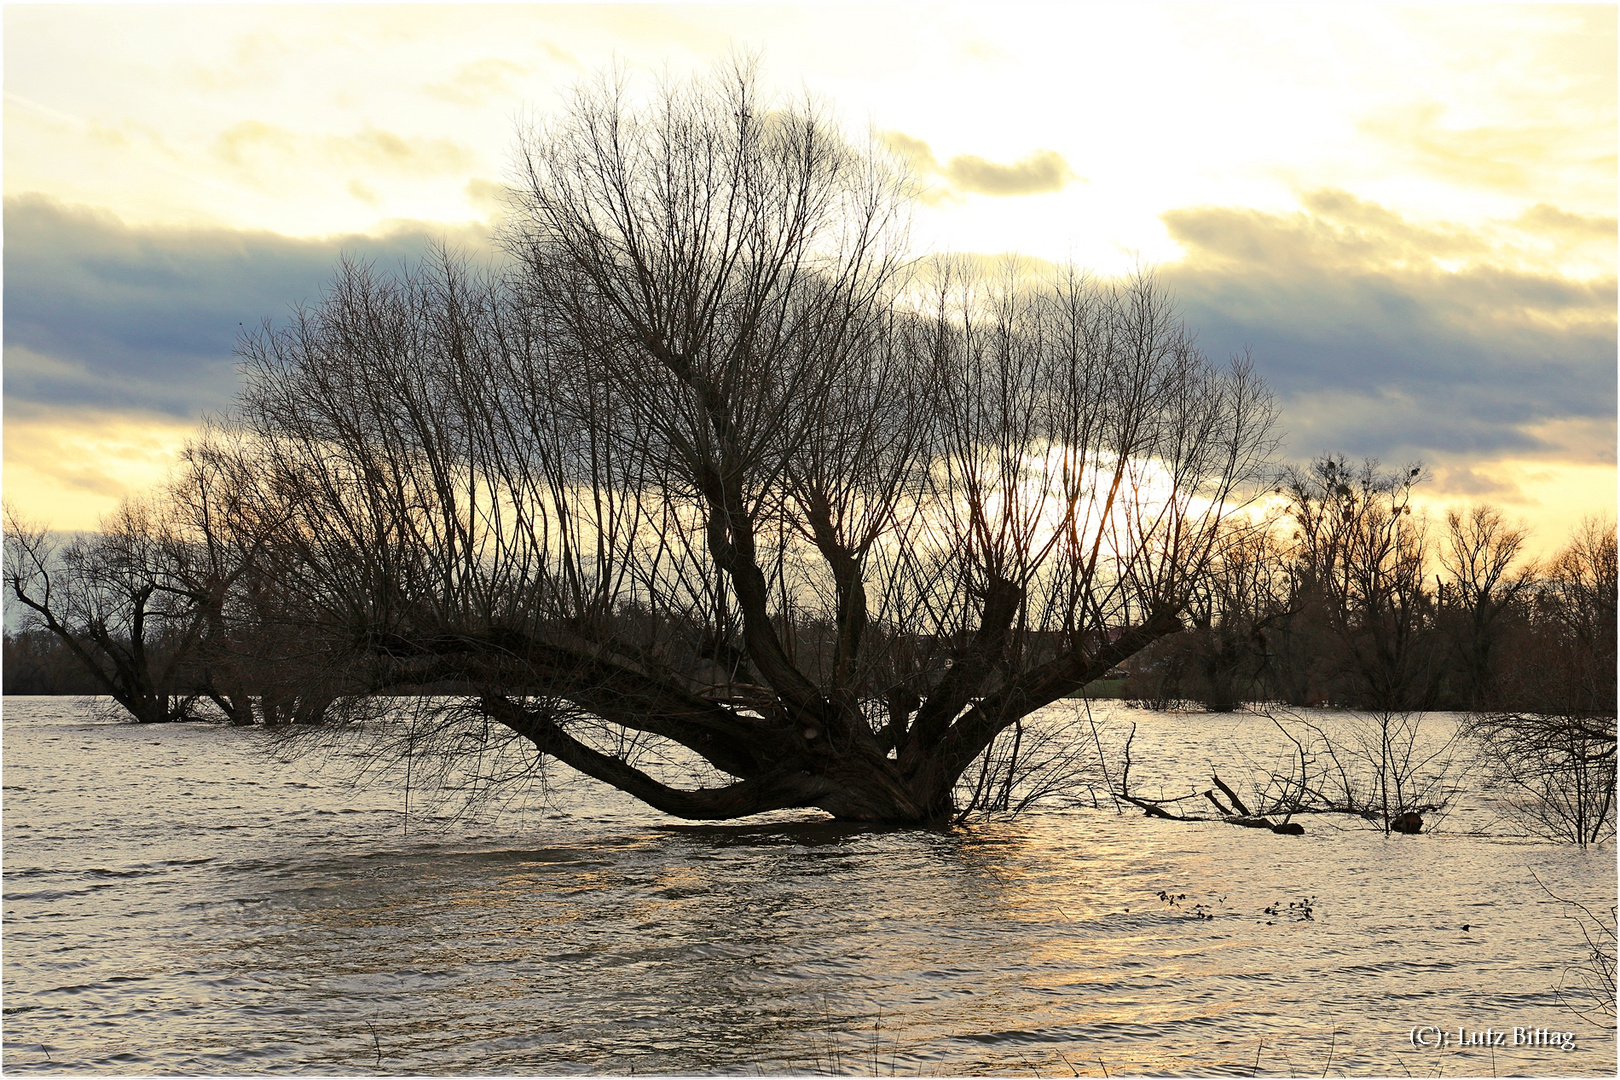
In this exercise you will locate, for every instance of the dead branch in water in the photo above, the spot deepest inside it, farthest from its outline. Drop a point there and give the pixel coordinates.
(1157, 807)
(1388, 770)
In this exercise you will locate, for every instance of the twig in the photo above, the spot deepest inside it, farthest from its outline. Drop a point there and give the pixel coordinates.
(1102, 760)
(1151, 808)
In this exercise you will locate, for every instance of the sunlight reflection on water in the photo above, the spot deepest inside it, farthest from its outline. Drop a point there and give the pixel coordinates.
(175, 902)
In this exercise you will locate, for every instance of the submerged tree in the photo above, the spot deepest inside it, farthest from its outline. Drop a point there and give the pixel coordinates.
(1554, 757)
(119, 600)
(1485, 585)
(708, 468)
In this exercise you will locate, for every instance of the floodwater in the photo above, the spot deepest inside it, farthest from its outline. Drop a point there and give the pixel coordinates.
(178, 902)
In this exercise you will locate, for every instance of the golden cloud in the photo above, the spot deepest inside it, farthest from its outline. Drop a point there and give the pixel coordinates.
(67, 468)
(363, 193)
(1506, 156)
(1337, 229)
(1040, 172)
(252, 144)
(486, 196)
(1037, 173)
(1554, 496)
(256, 59)
(475, 83)
(1544, 217)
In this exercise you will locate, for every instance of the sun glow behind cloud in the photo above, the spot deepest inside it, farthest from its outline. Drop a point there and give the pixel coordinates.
(70, 467)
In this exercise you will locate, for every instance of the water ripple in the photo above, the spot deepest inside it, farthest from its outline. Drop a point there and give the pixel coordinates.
(239, 916)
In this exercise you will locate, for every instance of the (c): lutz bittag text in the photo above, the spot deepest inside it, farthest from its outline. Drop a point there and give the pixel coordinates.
(1461, 1038)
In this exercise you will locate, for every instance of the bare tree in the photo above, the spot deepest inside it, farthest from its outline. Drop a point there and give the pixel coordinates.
(1237, 605)
(1555, 761)
(708, 479)
(262, 656)
(1483, 588)
(1362, 553)
(114, 600)
(1578, 601)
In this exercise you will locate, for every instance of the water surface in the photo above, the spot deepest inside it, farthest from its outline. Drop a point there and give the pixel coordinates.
(177, 902)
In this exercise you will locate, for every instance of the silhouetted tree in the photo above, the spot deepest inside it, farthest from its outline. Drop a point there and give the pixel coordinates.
(1482, 591)
(707, 471)
(1554, 755)
(1360, 559)
(112, 599)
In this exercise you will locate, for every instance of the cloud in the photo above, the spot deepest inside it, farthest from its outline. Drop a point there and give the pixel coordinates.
(1040, 172)
(487, 198)
(363, 193)
(1511, 156)
(100, 314)
(1037, 173)
(1543, 217)
(559, 55)
(259, 58)
(70, 466)
(252, 145)
(1473, 482)
(475, 83)
(1397, 339)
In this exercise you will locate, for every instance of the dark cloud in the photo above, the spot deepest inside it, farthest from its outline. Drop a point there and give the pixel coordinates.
(102, 314)
(1376, 347)
(1373, 347)
(1037, 173)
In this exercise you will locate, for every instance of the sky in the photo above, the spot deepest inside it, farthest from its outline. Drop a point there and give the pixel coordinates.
(1404, 215)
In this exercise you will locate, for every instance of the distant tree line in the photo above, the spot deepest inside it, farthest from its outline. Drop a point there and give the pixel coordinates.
(1347, 597)
(1340, 597)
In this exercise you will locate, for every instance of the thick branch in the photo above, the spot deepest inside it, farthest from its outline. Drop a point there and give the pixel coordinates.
(618, 694)
(777, 790)
(1041, 686)
(967, 674)
(851, 592)
(731, 543)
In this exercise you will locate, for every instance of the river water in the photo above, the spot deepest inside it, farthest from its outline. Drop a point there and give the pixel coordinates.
(177, 901)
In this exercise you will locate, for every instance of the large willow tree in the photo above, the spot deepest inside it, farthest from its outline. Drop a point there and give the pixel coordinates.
(705, 464)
